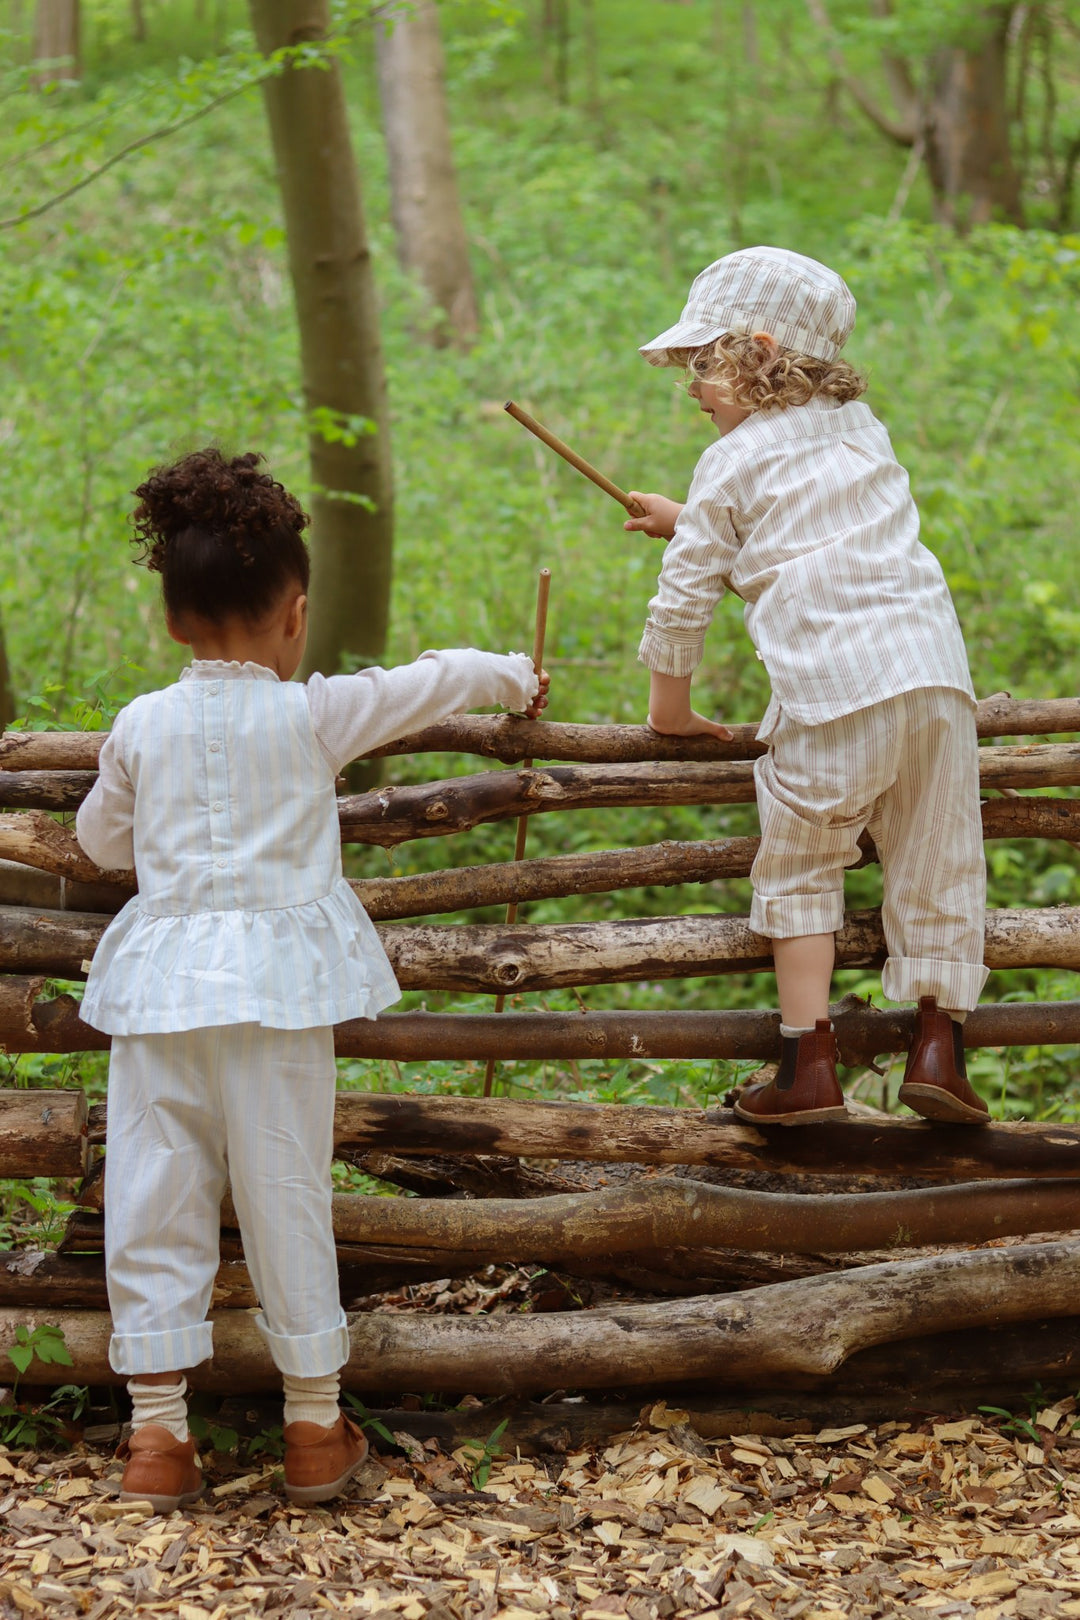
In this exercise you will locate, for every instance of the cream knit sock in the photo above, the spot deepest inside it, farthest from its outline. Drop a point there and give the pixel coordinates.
(312, 1400)
(159, 1403)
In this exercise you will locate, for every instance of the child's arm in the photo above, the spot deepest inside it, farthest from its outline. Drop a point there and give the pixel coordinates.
(352, 714)
(670, 711)
(106, 816)
(661, 515)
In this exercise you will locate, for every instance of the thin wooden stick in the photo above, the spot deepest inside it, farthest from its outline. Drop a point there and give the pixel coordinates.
(561, 448)
(543, 588)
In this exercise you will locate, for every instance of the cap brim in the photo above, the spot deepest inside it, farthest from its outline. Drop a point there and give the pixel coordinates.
(683, 335)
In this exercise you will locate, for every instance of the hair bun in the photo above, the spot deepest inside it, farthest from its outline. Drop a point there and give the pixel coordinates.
(229, 499)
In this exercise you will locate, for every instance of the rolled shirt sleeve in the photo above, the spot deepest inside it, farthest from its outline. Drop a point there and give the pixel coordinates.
(693, 578)
(352, 714)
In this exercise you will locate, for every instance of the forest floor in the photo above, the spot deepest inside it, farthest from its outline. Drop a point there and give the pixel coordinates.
(974, 1515)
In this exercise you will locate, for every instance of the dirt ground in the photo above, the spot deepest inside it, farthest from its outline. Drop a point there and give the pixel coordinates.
(976, 1515)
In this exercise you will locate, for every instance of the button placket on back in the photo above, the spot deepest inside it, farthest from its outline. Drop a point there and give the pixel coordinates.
(217, 788)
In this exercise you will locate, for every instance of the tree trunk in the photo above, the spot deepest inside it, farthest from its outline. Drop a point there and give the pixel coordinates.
(966, 129)
(340, 349)
(138, 22)
(56, 41)
(794, 1332)
(426, 209)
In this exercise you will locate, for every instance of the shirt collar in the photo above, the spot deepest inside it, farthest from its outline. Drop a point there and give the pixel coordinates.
(216, 669)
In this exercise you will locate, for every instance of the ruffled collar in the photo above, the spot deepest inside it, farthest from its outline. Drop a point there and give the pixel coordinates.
(216, 669)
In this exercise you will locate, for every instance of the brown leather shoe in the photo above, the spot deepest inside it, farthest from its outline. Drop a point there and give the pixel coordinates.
(935, 1079)
(805, 1090)
(160, 1469)
(320, 1462)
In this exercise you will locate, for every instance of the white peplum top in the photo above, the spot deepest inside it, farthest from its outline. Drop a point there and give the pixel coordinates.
(219, 791)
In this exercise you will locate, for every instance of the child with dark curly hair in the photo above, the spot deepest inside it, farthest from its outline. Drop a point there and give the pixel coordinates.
(802, 510)
(221, 980)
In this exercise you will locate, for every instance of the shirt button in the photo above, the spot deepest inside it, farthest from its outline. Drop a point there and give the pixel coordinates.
(215, 748)
(213, 689)
(219, 864)
(218, 806)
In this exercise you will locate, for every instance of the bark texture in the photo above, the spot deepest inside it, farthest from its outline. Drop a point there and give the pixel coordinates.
(965, 127)
(43, 1133)
(794, 1331)
(340, 347)
(510, 739)
(492, 959)
(425, 204)
(56, 42)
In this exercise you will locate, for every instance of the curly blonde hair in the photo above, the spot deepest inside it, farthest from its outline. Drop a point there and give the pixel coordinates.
(755, 374)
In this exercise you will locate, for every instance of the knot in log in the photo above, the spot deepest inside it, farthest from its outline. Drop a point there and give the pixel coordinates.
(438, 810)
(507, 972)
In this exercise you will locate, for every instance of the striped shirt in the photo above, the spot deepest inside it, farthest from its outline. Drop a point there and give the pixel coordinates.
(220, 792)
(806, 514)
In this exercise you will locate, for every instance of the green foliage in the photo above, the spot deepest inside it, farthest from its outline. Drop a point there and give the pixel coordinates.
(364, 1419)
(218, 1436)
(482, 1454)
(46, 1342)
(29, 1424)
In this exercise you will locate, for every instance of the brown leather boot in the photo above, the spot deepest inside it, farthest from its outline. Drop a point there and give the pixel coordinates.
(935, 1079)
(160, 1469)
(320, 1462)
(805, 1090)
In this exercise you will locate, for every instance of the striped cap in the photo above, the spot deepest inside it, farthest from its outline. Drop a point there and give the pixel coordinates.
(805, 305)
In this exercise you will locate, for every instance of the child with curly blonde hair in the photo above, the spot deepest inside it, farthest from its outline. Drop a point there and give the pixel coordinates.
(802, 510)
(221, 980)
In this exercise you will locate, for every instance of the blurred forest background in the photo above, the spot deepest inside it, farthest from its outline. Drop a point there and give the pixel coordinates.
(605, 151)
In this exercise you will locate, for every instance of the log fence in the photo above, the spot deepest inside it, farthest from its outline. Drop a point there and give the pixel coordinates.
(783, 1259)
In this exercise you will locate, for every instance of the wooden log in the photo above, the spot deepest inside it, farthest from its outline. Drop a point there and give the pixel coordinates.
(31, 1024)
(493, 959)
(414, 1126)
(460, 888)
(510, 738)
(43, 1133)
(35, 839)
(792, 1330)
(663, 1213)
(45, 1280)
(394, 815)
(45, 790)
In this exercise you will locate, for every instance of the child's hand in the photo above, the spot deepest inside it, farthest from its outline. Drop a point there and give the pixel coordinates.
(692, 725)
(540, 701)
(661, 516)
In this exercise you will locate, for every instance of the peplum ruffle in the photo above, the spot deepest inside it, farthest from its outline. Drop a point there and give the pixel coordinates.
(289, 967)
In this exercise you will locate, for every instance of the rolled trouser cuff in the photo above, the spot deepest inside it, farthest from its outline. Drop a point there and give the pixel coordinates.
(952, 984)
(790, 916)
(171, 1351)
(307, 1355)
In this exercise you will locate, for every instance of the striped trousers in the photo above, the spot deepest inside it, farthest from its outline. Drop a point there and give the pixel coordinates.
(907, 770)
(188, 1115)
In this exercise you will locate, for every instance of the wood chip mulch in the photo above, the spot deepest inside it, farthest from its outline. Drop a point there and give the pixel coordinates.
(942, 1518)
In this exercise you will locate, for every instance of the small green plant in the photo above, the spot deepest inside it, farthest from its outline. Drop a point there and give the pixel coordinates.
(46, 1342)
(218, 1436)
(482, 1455)
(267, 1443)
(1013, 1423)
(366, 1421)
(26, 1424)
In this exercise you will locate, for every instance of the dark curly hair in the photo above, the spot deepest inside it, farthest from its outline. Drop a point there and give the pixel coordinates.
(226, 538)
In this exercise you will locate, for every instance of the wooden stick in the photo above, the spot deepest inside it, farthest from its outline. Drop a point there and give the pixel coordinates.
(543, 589)
(561, 448)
